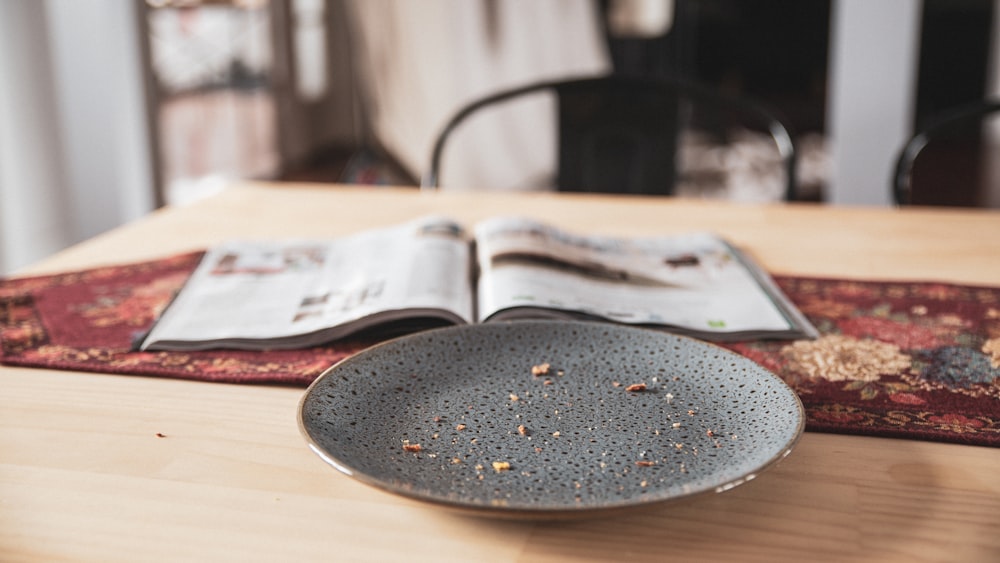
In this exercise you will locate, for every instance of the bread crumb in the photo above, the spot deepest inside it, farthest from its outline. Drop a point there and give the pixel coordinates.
(522, 430)
(540, 369)
(636, 387)
(412, 447)
(459, 427)
(499, 466)
(645, 463)
(514, 398)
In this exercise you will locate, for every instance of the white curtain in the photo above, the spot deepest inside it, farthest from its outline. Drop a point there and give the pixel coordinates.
(74, 158)
(34, 213)
(420, 61)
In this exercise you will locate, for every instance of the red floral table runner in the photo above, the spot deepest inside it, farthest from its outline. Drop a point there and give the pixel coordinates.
(911, 360)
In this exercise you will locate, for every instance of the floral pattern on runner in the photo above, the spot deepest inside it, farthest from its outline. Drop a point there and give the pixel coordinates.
(895, 358)
(917, 360)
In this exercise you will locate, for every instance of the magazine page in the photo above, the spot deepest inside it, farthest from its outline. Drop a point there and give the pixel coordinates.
(296, 293)
(695, 283)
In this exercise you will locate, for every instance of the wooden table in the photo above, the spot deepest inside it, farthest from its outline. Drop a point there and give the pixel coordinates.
(83, 475)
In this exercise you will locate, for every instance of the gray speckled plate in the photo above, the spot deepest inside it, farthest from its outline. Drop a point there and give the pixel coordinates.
(457, 417)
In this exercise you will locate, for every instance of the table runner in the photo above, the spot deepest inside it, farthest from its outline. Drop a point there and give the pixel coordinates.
(917, 360)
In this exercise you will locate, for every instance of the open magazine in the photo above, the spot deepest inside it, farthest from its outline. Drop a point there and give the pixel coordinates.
(430, 272)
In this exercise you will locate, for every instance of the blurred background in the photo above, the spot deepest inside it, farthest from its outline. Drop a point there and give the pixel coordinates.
(112, 108)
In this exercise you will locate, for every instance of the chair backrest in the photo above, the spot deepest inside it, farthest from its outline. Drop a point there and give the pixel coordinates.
(624, 134)
(942, 163)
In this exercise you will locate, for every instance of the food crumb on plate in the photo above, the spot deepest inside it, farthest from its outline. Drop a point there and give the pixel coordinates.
(541, 369)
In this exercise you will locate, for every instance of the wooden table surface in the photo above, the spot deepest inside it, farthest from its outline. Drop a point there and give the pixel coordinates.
(84, 476)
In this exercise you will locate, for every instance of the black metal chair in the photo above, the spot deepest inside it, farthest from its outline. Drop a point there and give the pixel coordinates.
(620, 134)
(948, 152)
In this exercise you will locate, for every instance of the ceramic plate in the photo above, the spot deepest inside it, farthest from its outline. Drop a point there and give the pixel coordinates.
(549, 419)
